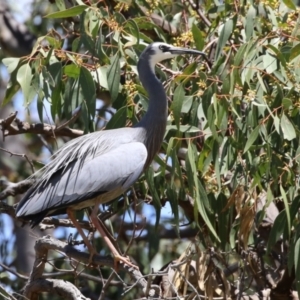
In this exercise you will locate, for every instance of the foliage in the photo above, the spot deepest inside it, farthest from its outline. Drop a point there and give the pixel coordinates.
(231, 148)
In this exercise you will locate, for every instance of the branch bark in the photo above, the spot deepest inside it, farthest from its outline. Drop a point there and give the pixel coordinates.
(13, 189)
(37, 284)
(62, 288)
(20, 127)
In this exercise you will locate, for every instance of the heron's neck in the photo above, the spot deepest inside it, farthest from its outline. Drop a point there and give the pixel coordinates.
(155, 120)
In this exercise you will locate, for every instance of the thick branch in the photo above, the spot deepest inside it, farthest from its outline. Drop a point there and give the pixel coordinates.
(66, 290)
(44, 244)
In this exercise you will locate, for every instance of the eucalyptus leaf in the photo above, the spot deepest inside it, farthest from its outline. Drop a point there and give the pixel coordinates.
(177, 104)
(70, 12)
(113, 76)
(287, 128)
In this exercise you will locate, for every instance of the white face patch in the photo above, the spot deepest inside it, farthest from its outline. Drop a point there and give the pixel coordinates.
(159, 54)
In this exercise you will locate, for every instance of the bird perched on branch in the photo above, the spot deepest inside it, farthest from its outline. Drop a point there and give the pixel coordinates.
(100, 166)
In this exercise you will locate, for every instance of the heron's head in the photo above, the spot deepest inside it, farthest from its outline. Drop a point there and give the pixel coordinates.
(157, 52)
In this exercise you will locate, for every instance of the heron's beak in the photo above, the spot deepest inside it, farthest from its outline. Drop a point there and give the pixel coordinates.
(179, 51)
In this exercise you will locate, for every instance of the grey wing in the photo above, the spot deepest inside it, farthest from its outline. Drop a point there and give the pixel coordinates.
(115, 170)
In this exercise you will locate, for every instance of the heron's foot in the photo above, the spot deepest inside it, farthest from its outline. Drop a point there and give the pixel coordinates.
(125, 260)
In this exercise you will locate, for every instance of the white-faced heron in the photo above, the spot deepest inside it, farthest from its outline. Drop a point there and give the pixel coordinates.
(100, 166)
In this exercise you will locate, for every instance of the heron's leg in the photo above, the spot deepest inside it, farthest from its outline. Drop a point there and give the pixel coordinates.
(92, 250)
(100, 227)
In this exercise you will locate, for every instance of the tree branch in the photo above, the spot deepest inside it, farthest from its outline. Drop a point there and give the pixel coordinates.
(62, 288)
(196, 8)
(20, 155)
(37, 284)
(39, 128)
(13, 189)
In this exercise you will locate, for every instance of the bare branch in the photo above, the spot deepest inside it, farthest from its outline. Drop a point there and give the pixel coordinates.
(39, 128)
(73, 118)
(37, 283)
(196, 8)
(63, 288)
(50, 223)
(7, 209)
(83, 275)
(20, 155)
(13, 271)
(12, 189)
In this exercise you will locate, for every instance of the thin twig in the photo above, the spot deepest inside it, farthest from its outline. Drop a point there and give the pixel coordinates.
(73, 118)
(196, 8)
(106, 286)
(20, 155)
(13, 271)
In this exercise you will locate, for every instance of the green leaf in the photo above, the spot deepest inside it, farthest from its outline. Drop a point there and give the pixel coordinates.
(100, 76)
(85, 116)
(54, 42)
(101, 53)
(70, 12)
(287, 209)
(72, 70)
(252, 138)
(197, 190)
(89, 43)
(290, 4)
(270, 63)
(88, 90)
(240, 55)
(297, 264)
(183, 128)
(134, 29)
(277, 230)
(24, 77)
(40, 105)
(177, 104)
(118, 120)
(287, 103)
(198, 38)
(295, 52)
(11, 90)
(149, 174)
(287, 128)
(187, 104)
(250, 18)
(113, 77)
(224, 37)
(11, 63)
(278, 54)
(216, 160)
(172, 195)
(55, 71)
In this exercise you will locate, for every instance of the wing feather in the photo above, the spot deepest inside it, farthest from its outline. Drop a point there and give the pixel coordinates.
(81, 180)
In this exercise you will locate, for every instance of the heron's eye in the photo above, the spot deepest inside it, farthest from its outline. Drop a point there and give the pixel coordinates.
(163, 48)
